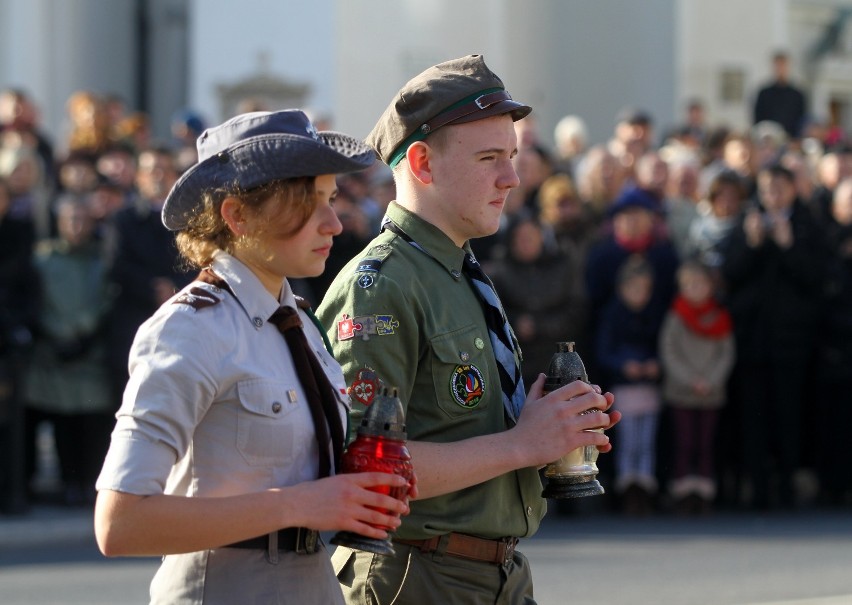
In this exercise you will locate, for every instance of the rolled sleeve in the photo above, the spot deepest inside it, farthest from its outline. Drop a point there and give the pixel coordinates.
(171, 386)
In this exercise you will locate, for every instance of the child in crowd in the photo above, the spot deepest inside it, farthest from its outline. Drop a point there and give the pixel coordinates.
(627, 353)
(697, 354)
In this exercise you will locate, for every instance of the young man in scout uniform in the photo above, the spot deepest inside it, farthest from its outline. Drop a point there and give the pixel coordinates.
(415, 308)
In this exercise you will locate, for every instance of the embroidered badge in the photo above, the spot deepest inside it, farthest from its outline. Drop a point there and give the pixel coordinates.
(346, 328)
(365, 386)
(365, 281)
(467, 386)
(385, 325)
(369, 264)
(197, 298)
(369, 325)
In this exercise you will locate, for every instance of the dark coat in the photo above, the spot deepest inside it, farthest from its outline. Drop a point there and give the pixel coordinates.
(140, 250)
(774, 295)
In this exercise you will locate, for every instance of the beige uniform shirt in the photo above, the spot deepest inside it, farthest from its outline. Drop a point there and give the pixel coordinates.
(213, 407)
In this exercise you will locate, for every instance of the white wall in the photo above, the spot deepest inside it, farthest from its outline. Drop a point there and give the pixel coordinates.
(727, 34)
(561, 56)
(51, 48)
(228, 37)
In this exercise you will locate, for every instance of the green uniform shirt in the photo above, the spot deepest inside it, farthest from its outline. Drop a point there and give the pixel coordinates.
(412, 317)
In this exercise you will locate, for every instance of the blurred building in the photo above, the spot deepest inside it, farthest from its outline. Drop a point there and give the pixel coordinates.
(345, 58)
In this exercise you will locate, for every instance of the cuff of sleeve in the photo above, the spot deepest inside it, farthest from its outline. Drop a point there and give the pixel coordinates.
(136, 466)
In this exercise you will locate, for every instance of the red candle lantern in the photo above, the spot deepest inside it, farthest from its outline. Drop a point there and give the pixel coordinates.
(379, 447)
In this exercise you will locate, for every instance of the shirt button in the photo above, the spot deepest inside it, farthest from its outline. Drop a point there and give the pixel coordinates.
(257, 321)
(529, 511)
(276, 407)
(455, 273)
(479, 343)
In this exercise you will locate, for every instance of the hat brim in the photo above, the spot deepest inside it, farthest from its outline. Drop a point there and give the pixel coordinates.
(260, 160)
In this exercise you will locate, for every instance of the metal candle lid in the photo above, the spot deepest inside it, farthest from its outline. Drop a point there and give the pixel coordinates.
(565, 367)
(385, 417)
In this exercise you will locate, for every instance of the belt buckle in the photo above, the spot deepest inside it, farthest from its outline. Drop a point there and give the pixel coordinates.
(509, 551)
(307, 541)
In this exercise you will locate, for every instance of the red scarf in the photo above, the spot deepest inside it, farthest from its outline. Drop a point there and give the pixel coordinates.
(635, 245)
(707, 319)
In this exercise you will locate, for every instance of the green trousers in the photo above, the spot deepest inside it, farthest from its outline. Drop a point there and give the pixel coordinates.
(413, 578)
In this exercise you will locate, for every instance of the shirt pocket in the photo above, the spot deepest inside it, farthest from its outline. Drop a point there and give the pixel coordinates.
(265, 421)
(460, 371)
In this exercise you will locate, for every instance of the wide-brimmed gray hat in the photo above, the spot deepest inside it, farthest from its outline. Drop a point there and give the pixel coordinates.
(454, 92)
(253, 149)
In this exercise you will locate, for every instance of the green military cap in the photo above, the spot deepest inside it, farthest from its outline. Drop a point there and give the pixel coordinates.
(453, 92)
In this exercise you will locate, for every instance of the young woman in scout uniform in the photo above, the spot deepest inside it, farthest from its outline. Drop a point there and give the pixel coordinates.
(224, 452)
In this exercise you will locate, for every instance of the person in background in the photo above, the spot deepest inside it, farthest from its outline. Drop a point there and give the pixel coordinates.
(571, 140)
(774, 271)
(18, 313)
(718, 216)
(542, 293)
(835, 354)
(781, 101)
(143, 263)
(697, 353)
(226, 450)
(67, 383)
(626, 350)
(569, 223)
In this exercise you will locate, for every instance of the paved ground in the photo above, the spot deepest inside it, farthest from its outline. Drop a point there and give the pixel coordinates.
(48, 557)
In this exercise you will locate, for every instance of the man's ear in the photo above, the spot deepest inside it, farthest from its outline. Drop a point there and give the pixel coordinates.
(232, 214)
(419, 156)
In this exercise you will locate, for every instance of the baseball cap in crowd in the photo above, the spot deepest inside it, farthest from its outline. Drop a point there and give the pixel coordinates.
(454, 92)
(253, 149)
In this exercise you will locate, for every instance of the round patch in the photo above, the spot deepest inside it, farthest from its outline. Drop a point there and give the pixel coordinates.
(467, 386)
(365, 281)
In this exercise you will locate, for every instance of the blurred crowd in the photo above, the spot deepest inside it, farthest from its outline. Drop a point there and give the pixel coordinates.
(703, 273)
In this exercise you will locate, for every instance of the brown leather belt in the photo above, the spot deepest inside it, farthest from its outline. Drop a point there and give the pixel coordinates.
(498, 551)
(300, 540)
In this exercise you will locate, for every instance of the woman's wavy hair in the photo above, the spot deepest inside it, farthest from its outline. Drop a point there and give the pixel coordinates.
(206, 232)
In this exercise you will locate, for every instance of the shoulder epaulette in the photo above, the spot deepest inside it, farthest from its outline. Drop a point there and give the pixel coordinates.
(372, 262)
(301, 303)
(197, 297)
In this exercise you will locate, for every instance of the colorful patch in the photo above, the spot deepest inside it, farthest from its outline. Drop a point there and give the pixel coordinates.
(365, 386)
(346, 328)
(365, 281)
(197, 298)
(467, 386)
(366, 326)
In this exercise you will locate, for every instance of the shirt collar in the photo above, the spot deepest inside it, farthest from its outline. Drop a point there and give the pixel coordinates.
(434, 241)
(249, 291)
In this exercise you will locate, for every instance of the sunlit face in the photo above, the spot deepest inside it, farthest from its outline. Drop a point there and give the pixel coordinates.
(277, 253)
(472, 176)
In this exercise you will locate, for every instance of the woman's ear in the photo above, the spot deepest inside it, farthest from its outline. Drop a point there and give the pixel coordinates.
(232, 214)
(419, 156)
